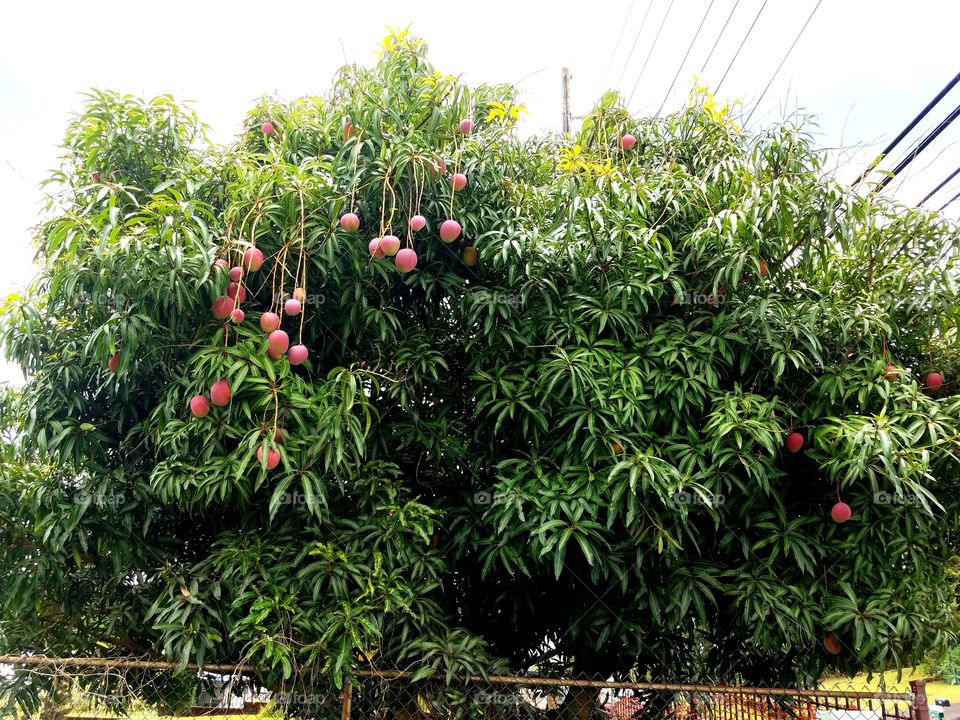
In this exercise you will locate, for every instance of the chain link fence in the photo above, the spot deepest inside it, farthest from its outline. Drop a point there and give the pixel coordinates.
(108, 688)
(397, 696)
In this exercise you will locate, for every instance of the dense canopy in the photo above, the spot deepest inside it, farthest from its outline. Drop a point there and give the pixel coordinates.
(567, 450)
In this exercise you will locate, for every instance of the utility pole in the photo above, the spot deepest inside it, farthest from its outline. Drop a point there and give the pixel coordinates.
(565, 89)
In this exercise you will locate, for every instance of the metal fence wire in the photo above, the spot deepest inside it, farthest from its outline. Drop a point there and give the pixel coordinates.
(395, 696)
(108, 688)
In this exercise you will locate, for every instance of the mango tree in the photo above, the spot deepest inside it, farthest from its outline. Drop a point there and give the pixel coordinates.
(384, 382)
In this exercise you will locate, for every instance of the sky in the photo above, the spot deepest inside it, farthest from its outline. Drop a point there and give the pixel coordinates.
(863, 69)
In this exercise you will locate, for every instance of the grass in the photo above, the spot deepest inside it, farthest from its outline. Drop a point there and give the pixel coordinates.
(154, 716)
(141, 712)
(888, 681)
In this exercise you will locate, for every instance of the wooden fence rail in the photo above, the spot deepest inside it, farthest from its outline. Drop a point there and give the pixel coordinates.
(914, 703)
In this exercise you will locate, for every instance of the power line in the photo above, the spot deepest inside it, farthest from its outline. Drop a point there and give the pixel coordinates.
(910, 154)
(633, 47)
(649, 54)
(910, 126)
(619, 38)
(685, 56)
(742, 43)
(717, 41)
(918, 147)
(921, 146)
(939, 187)
(948, 202)
(780, 66)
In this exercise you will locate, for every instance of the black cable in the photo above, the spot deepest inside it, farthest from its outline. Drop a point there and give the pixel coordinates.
(685, 56)
(633, 47)
(619, 38)
(918, 148)
(742, 43)
(717, 41)
(928, 138)
(780, 66)
(910, 126)
(649, 54)
(948, 202)
(939, 187)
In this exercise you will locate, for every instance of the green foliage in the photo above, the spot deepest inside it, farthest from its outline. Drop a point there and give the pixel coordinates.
(570, 455)
(947, 667)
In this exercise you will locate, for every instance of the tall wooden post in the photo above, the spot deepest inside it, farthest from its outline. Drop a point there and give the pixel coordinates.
(921, 711)
(565, 89)
(346, 695)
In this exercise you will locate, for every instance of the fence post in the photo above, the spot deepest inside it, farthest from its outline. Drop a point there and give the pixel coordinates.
(921, 711)
(347, 696)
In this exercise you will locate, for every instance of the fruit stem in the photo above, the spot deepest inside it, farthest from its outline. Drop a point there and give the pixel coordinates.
(303, 261)
(276, 410)
(393, 206)
(458, 148)
(410, 230)
(383, 200)
(353, 176)
(419, 183)
(243, 223)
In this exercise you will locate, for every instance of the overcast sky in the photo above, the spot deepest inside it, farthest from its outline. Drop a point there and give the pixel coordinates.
(864, 68)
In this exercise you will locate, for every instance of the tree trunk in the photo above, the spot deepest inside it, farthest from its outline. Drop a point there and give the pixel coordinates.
(588, 664)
